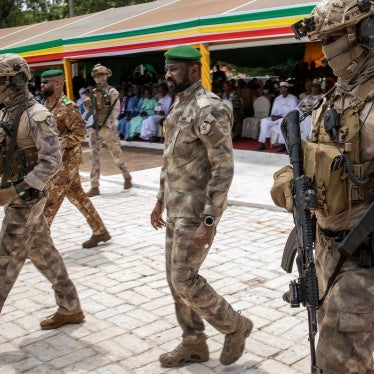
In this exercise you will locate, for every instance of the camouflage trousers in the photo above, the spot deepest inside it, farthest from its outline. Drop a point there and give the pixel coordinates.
(194, 298)
(109, 135)
(67, 183)
(25, 234)
(346, 319)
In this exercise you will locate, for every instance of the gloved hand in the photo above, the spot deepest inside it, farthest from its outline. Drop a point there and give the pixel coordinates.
(281, 191)
(7, 194)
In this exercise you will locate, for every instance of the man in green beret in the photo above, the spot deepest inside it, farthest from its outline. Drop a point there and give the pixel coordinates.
(66, 182)
(195, 179)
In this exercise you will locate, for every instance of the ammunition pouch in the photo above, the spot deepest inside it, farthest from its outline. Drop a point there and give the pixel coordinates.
(24, 160)
(334, 189)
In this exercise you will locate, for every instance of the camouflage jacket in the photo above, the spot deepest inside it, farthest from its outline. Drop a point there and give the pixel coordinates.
(37, 129)
(198, 157)
(71, 126)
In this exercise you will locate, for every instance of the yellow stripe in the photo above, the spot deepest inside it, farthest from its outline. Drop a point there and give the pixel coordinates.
(265, 24)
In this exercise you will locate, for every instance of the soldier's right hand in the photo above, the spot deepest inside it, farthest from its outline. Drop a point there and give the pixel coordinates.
(281, 191)
(156, 216)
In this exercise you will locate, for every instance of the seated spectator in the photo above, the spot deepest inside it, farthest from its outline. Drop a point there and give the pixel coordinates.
(303, 107)
(307, 89)
(237, 108)
(147, 109)
(82, 95)
(261, 107)
(218, 74)
(151, 126)
(283, 104)
(132, 109)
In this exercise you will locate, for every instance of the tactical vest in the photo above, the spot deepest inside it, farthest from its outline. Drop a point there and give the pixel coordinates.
(325, 165)
(103, 105)
(24, 159)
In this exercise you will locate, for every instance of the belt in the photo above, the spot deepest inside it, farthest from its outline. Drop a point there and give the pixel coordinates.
(334, 234)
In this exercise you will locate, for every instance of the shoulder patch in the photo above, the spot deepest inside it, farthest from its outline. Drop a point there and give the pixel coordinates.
(66, 101)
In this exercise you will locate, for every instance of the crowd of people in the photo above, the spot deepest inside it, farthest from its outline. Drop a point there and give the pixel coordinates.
(40, 146)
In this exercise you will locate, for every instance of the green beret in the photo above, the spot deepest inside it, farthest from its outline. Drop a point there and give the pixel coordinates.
(183, 52)
(52, 73)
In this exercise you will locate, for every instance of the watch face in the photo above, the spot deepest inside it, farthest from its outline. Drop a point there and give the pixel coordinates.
(208, 221)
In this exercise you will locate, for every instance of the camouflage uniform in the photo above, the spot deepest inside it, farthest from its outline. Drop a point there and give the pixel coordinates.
(346, 319)
(25, 232)
(106, 96)
(66, 182)
(195, 178)
(343, 124)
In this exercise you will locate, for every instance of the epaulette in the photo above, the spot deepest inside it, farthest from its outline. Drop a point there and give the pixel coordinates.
(66, 101)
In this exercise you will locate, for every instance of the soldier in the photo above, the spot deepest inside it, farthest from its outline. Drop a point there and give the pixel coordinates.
(103, 104)
(339, 160)
(66, 182)
(195, 179)
(31, 155)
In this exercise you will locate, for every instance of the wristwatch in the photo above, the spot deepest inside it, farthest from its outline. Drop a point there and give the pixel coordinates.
(208, 221)
(20, 191)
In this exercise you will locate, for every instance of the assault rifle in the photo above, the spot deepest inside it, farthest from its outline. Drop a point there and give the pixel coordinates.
(93, 110)
(305, 289)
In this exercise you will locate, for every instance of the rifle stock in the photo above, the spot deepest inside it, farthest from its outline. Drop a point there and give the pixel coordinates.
(305, 289)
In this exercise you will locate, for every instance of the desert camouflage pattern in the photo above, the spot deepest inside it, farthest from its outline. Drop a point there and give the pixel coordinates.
(25, 233)
(198, 159)
(330, 16)
(194, 298)
(346, 319)
(107, 133)
(66, 182)
(195, 179)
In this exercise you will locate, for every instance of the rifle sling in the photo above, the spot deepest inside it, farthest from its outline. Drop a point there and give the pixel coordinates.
(12, 146)
(109, 112)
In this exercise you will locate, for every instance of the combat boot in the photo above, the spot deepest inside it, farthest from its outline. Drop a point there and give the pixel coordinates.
(185, 352)
(93, 191)
(96, 239)
(57, 320)
(128, 183)
(234, 345)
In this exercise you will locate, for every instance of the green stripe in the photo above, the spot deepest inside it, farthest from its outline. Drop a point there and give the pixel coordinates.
(33, 47)
(200, 22)
(235, 18)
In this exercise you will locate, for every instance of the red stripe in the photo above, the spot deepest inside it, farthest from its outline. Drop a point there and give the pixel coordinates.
(237, 35)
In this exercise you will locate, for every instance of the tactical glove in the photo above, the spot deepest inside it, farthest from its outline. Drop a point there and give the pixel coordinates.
(281, 191)
(7, 194)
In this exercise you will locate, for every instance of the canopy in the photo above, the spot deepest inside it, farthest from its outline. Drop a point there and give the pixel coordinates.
(159, 25)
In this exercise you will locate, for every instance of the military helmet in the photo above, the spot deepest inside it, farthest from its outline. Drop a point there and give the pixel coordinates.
(335, 15)
(98, 69)
(12, 64)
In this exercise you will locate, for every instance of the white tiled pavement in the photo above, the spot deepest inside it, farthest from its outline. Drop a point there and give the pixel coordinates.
(129, 311)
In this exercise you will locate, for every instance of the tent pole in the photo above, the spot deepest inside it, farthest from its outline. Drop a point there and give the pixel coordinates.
(205, 66)
(68, 79)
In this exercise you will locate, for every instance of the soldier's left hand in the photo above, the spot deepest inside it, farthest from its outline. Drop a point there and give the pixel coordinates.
(7, 194)
(204, 236)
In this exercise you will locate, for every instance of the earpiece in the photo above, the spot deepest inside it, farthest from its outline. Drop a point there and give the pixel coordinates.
(365, 32)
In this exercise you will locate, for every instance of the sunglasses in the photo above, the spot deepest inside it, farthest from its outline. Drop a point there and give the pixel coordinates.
(46, 81)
